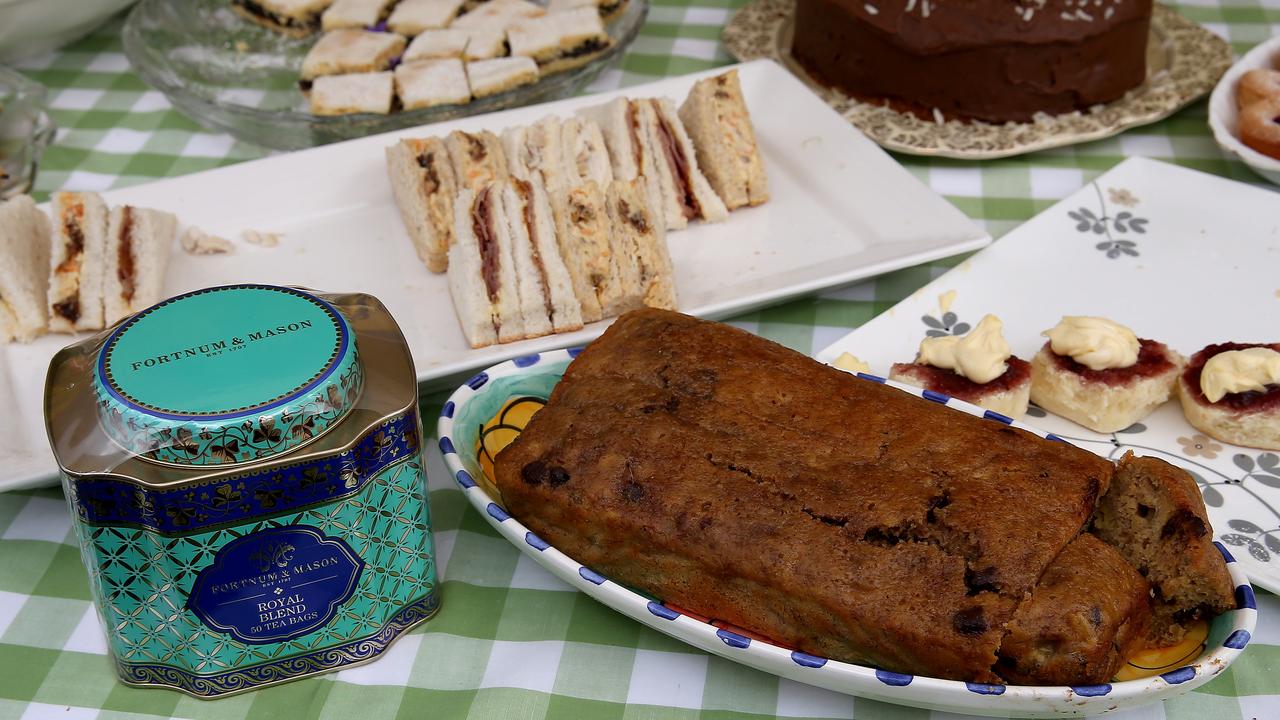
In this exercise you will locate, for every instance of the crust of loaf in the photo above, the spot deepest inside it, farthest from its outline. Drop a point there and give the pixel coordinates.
(729, 475)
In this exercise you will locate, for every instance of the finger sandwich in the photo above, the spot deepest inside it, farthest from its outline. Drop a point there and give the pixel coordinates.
(640, 246)
(77, 262)
(355, 14)
(534, 152)
(355, 93)
(432, 82)
(296, 18)
(137, 253)
(559, 40)
(411, 17)
(477, 158)
(424, 186)
(340, 52)
(585, 155)
(436, 44)
(547, 302)
(24, 270)
(716, 118)
(490, 77)
(482, 274)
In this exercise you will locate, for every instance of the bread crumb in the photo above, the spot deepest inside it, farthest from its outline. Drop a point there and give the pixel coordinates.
(851, 363)
(262, 239)
(198, 242)
(945, 300)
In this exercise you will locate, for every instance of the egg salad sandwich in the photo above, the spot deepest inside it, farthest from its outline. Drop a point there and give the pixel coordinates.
(477, 158)
(716, 118)
(137, 253)
(644, 266)
(24, 270)
(296, 18)
(626, 142)
(583, 232)
(77, 262)
(424, 186)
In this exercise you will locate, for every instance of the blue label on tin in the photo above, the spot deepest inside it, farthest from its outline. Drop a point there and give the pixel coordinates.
(276, 584)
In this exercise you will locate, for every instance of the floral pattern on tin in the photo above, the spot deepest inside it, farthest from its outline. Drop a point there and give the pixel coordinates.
(245, 441)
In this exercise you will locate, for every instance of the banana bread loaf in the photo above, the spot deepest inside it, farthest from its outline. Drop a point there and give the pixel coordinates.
(1154, 515)
(737, 478)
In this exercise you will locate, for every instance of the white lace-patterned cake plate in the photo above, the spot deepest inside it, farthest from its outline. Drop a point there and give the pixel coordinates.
(1179, 256)
(490, 394)
(1184, 60)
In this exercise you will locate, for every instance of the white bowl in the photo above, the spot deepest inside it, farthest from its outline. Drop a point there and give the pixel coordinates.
(32, 27)
(1223, 118)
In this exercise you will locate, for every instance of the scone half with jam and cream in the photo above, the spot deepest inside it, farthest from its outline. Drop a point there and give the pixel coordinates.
(1099, 374)
(978, 368)
(1231, 391)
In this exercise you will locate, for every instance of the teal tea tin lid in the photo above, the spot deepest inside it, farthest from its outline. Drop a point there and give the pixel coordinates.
(227, 375)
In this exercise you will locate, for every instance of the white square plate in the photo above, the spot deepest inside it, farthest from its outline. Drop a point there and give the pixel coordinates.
(841, 210)
(1179, 256)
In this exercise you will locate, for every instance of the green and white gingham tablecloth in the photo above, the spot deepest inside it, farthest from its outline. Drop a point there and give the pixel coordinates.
(511, 641)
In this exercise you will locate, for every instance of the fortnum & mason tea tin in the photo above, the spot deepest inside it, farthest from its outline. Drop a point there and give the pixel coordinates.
(244, 467)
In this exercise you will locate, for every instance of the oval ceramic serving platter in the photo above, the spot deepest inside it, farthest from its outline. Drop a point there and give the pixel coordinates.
(488, 404)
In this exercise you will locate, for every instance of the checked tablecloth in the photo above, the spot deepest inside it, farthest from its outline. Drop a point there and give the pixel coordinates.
(511, 641)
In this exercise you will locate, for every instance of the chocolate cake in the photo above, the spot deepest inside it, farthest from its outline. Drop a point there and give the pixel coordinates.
(991, 60)
(726, 474)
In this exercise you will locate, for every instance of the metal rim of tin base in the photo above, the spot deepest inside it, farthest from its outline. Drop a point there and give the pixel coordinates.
(318, 662)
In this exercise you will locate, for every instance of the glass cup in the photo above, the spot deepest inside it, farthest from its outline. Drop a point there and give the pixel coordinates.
(25, 130)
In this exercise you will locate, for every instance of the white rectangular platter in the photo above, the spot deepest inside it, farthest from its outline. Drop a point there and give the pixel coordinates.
(841, 210)
(1179, 256)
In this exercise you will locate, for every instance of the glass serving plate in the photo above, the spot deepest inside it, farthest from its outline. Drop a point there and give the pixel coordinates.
(230, 74)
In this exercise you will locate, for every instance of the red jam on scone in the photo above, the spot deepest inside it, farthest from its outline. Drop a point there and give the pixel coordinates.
(1231, 391)
(978, 368)
(1098, 373)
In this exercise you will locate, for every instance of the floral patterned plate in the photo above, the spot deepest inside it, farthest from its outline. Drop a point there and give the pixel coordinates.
(490, 410)
(1141, 246)
(1184, 61)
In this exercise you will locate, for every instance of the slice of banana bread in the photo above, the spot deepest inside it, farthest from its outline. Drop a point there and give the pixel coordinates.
(1088, 611)
(737, 478)
(1154, 515)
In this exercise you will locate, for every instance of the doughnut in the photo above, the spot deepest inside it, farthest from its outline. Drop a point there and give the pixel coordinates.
(1257, 85)
(1260, 126)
